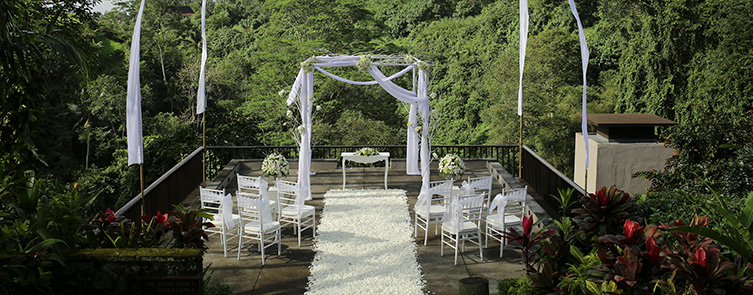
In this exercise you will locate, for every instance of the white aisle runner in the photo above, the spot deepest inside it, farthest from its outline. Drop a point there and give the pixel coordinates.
(364, 245)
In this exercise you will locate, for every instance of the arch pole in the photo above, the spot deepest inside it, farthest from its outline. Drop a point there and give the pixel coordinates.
(520, 149)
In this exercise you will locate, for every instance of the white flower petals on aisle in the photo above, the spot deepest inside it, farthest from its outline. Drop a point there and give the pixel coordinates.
(364, 245)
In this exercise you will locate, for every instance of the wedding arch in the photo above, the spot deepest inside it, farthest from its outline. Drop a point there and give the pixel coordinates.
(303, 92)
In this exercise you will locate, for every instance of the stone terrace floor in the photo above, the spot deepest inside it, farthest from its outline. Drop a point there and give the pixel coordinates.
(288, 273)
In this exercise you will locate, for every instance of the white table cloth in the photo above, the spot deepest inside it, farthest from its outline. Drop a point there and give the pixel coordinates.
(366, 160)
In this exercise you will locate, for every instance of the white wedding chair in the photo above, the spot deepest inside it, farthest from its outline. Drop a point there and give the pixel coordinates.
(510, 208)
(220, 206)
(257, 223)
(257, 185)
(292, 210)
(461, 222)
(430, 209)
(482, 185)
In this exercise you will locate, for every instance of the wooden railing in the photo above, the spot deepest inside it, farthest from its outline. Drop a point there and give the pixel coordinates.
(543, 178)
(171, 188)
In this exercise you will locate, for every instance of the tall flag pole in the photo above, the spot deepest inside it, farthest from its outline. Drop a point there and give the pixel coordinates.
(201, 98)
(523, 42)
(584, 61)
(133, 105)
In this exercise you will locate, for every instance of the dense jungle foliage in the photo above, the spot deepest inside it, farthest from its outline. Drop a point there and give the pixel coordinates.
(64, 73)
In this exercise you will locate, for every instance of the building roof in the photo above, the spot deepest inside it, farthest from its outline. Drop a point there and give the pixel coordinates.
(628, 126)
(629, 120)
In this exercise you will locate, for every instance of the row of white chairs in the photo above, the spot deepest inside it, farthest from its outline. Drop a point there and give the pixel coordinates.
(258, 217)
(460, 215)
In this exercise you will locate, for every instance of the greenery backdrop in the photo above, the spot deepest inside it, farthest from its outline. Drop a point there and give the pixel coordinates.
(64, 71)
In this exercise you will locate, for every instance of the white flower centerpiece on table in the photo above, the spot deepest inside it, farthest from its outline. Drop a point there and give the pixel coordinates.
(451, 166)
(367, 151)
(275, 166)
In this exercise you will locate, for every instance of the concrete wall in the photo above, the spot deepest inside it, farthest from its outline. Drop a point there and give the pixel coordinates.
(613, 163)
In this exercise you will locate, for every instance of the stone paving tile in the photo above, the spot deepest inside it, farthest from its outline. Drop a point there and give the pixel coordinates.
(288, 273)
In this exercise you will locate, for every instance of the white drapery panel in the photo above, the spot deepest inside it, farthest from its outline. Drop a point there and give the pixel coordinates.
(133, 97)
(303, 89)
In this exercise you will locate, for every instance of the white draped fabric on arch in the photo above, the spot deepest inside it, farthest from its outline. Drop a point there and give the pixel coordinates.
(303, 90)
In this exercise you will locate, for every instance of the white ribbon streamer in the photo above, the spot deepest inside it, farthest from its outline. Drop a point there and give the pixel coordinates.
(584, 61)
(133, 97)
(522, 57)
(201, 98)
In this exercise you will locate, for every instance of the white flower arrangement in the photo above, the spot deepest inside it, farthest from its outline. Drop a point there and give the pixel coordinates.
(422, 65)
(367, 151)
(451, 166)
(275, 165)
(308, 65)
(364, 63)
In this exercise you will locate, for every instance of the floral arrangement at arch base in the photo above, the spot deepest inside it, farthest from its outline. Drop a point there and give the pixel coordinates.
(367, 151)
(451, 166)
(275, 165)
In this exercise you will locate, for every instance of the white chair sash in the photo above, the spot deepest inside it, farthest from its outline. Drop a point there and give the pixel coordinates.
(227, 211)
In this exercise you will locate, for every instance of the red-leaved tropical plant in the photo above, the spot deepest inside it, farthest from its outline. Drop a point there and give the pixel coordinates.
(698, 260)
(632, 259)
(605, 211)
(188, 227)
(528, 240)
(111, 231)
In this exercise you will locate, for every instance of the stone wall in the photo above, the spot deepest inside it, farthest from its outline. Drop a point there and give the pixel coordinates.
(133, 271)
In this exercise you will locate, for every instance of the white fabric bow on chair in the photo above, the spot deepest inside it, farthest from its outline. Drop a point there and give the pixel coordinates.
(264, 190)
(227, 212)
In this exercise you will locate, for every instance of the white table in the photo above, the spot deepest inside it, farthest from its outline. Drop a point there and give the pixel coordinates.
(366, 160)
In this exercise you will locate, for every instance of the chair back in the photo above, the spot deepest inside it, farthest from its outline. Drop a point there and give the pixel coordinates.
(473, 207)
(251, 207)
(289, 194)
(211, 200)
(482, 185)
(249, 184)
(515, 202)
(463, 208)
(442, 189)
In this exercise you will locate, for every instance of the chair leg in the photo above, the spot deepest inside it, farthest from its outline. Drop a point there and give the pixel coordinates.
(298, 225)
(415, 225)
(426, 231)
(224, 244)
(480, 249)
(279, 243)
(457, 240)
(240, 243)
(261, 245)
(441, 245)
(486, 229)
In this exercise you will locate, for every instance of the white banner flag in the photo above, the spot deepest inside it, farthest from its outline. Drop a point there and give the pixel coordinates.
(584, 61)
(523, 42)
(201, 99)
(133, 97)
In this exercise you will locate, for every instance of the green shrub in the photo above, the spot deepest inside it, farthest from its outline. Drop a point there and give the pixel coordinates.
(517, 286)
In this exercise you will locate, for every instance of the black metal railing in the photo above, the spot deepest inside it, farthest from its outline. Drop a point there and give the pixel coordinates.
(171, 188)
(219, 156)
(543, 178)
